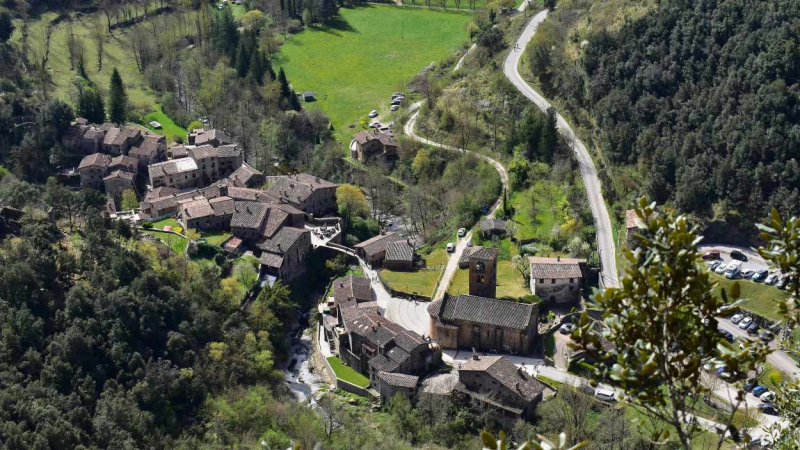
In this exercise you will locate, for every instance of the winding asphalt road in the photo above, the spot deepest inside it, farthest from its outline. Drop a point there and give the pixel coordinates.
(602, 222)
(452, 263)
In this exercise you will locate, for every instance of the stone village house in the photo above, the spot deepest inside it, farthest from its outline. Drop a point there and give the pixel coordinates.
(557, 280)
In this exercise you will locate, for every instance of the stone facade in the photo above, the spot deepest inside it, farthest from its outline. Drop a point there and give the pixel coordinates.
(466, 322)
(557, 280)
(483, 273)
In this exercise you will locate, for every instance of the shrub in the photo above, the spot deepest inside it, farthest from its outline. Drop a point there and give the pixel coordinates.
(178, 230)
(776, 378)
(147, 225)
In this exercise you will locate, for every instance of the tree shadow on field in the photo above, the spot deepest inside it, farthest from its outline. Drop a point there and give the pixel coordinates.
(337, 25)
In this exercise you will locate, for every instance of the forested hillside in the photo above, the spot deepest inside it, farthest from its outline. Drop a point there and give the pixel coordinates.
(700, 96)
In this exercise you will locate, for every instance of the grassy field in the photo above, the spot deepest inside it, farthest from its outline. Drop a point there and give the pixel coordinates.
(116, 55)
(169, 221)
(761, 298)
(346, 373)
(420, 282)
(216, 237)
(355, 64)
(176, 243)
(168, 128)
(547, 195)
(465, 5)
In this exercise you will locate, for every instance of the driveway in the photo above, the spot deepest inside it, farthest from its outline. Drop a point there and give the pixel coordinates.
(452, 263)
(602, 222)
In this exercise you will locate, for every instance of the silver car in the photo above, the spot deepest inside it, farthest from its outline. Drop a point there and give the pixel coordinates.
(745, 322)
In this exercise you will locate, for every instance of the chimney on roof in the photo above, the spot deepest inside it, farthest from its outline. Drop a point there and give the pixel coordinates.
(223, 190)
(248, 209)
(558, 258)
(279, 247)
(475, 355)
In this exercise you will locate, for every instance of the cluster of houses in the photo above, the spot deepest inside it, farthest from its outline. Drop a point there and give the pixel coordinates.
(271, 223)
(208, 187)
(397, 360)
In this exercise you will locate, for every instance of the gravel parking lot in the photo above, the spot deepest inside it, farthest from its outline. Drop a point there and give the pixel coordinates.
(754, 261)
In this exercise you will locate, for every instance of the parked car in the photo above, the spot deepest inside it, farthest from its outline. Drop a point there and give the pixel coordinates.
(566, 328)
(766, 336)
(462, 232)
(396, 94)
(782, 282)
(733, 269)
(752, 329)
(772, 278)
(747, 273)
(711, 254)
(469, 244)
(714, 264)
(749, 385)
(760, 275)
(395, 107)
(604, 394)
(721, 269)
(736, 254)
(768, 408)
(737, 318)
(758, 390)
(451, 247)
(396, 102)
(745, 322)
(373, 114)
(728, 335)
(767, 397)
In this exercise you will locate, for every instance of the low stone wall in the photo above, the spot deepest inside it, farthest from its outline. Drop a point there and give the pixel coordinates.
(342, 384)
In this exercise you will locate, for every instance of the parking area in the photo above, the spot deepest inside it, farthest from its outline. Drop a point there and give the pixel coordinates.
(754, 260)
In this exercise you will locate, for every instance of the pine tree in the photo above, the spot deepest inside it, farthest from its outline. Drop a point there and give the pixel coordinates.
(90, 105)
(242, 60)
(328, 10)
(269, 69)
(118, 99)
(287, 92)
(255, 73)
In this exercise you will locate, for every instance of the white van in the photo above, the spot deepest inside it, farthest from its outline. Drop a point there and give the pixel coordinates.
(733, 269)
(607, 395)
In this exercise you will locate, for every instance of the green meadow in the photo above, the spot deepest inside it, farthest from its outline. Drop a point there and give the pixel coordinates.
(357, 62)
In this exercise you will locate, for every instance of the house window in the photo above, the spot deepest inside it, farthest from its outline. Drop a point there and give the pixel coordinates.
(571, 280)
(553, 281)
(541, 280)
(480, 279)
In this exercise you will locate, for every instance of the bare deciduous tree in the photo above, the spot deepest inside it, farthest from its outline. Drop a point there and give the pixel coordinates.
(99, 38)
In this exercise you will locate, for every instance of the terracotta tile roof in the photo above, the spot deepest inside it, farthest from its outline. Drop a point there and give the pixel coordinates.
(240, 193)
(378, 243)
(249, 215)
(351, 287)
(463, 260)
(399, 251)
(206, 151)
(179, 151)
(95, 160)
(111, 133)
(241, 176)
(149, 146)
(222, 206)
(297, 188)
(383, 364)
(172, 167)
(275, 221)
(271, 260)
(233, 243)
(558, 268)
(197, 208)
(164, 191)
(489, 311)
(399, 379)
(387, 139)
(486, 254)
(630, 219)
(283, 240)
(204, 136)
(506, 373)
(122, 174)
(375, 329)
(124, 162)
(493, 224)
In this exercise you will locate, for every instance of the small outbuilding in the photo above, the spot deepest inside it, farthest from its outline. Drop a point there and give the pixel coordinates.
(399, 256)
(308, 96)
(155, 125)
(493, 227)
(390, 384)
